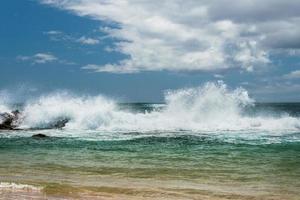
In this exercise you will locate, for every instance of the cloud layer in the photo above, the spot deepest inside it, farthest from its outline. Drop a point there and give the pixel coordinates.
(194, 35)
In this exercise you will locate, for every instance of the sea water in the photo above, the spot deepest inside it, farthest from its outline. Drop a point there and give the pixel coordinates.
(208, 142)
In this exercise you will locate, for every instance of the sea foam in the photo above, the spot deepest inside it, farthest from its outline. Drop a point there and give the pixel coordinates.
(17, 186)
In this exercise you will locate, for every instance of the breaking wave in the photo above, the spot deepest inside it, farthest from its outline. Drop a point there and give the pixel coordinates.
(211, 107)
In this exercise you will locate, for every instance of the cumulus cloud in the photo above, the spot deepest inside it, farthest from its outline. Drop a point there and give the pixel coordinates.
(202, 35)
(39, 58)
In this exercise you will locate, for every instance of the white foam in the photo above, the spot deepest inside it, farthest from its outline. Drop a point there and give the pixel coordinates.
(212, 107)
(15, 186)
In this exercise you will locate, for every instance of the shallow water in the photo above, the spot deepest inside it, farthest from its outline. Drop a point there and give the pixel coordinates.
(185, 165)
(208, 143)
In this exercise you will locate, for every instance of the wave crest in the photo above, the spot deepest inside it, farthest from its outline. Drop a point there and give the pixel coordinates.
(210, 107)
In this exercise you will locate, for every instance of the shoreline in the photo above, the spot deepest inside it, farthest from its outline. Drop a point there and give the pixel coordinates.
(64, 191)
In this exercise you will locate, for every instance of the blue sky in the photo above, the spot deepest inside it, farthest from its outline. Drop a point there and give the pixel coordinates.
(135, 50)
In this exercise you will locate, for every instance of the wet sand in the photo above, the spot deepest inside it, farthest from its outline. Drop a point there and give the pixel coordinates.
(133, 191)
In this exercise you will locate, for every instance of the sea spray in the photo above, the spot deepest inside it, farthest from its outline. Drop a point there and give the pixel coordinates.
(4, 102)
(82, 112)
(210, 107)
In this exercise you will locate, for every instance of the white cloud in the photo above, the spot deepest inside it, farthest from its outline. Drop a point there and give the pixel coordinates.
(43, 58)
(39, 58)
(56, 35)
(53, 32)
(88, 41)
(192, 35)
(293, 75)
(91, 67)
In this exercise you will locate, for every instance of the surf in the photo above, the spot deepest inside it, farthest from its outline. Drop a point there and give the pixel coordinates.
(212, 106)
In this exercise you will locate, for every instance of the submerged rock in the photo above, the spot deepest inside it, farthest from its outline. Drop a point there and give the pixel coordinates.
(39, 135)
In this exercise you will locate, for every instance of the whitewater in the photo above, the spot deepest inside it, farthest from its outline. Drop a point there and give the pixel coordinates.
(210, 107)
(206, 142)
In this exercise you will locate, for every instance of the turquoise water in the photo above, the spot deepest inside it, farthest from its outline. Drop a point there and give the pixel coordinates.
(209, 161)
(208, 143)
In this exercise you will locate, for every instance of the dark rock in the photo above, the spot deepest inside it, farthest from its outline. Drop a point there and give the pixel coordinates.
(54, 125)
(9, 120)
(40, 136)
(59, 124)
(16, 114)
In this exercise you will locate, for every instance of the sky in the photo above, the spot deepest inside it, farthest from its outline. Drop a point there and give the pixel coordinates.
(135, 50)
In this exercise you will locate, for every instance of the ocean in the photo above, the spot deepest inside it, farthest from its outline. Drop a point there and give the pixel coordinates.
(209, 142)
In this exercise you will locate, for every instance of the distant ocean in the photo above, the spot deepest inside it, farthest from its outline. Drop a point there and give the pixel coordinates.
(209, 142)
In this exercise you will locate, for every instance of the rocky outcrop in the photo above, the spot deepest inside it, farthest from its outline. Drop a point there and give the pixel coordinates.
(9, 121)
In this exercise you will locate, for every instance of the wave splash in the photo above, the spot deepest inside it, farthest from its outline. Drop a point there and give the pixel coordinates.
(211, 107)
